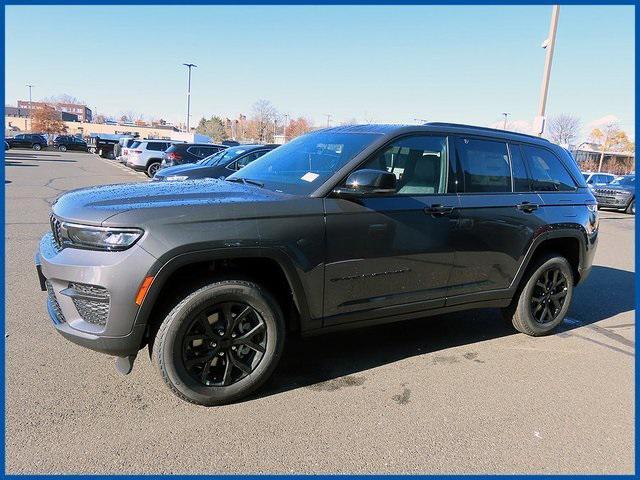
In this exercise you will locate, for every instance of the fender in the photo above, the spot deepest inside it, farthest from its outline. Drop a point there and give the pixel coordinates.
(163, 269)
(574, 230)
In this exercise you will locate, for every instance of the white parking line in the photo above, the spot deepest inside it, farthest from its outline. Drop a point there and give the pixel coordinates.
(122, 167)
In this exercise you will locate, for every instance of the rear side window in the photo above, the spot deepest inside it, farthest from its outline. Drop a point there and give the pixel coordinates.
(485, 165)
(518, 170)
(547, 172)
(157, 146)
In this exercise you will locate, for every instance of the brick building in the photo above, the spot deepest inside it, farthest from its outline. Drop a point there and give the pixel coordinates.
(82, 111)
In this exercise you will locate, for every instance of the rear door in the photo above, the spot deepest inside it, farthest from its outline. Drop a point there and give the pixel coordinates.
(497, 219)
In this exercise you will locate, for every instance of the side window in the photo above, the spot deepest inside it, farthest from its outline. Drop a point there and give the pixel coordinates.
(420, 164)
(19, 137)
(155, 146)
(518, 170)
(247, 159)
(194, 151)
(547, 172)
(485, 165)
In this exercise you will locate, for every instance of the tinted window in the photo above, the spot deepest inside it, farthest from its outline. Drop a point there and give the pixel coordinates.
(157, 146)
(418, 162)
(547, 172)
(20, 137)
(485, 165)
(518, 170)
(247, 159)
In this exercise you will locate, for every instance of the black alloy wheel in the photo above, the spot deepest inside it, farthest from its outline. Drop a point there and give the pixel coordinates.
(224, 343)
(548, 295)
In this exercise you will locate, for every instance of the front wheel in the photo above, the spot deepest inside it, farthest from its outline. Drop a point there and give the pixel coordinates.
(220, 343)
(544, 299)
(631, 209)
(152, 169)
(37, 147)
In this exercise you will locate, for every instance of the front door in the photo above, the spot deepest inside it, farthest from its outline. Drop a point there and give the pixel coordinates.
(392, 254)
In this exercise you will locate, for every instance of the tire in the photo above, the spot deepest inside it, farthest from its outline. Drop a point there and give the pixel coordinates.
(37, 147)
(631, 208)
(152, 168)
(62, 148)
(202, 311)
(521, 311)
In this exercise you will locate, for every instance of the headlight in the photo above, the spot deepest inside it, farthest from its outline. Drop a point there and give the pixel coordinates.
(176, 178)
(98, 238)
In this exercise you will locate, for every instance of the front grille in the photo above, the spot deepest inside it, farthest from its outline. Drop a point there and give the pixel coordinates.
(56, 227)
(53, 301)
(92, 302)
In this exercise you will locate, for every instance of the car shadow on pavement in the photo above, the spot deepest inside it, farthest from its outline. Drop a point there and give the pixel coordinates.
(10, 163)
(336, 360)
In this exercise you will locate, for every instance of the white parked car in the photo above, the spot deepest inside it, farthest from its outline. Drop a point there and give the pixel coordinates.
(146, 156)
(125, 144)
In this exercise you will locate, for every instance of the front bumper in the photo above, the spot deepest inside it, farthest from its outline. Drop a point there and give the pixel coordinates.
(613, 201)
(118, 273)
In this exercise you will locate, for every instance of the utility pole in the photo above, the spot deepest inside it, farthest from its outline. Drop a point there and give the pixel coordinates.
(549, 44)
(30, 107)
(506, 114)
(328, 119)
(189, 66)
(286, 122)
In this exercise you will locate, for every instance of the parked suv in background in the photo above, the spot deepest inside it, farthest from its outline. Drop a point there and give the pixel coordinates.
(27, 140)
(67, 142)
(340, 228)
(147, 155)
(619, 194)
(598, 179)
(183, 153)
(220, 165)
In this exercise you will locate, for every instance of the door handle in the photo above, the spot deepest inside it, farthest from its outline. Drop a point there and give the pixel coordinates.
(438, 210)
(527, 207)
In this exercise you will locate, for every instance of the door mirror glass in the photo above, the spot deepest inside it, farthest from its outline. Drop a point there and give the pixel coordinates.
(368, 182)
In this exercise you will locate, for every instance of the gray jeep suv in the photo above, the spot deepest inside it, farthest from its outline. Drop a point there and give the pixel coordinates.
(340, 228)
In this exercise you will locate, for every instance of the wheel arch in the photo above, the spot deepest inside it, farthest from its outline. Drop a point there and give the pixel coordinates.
(214, 264)
(570, 243)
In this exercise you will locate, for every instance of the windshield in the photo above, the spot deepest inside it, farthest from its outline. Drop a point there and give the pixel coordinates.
(211, 159)
(224, 157)
(302, 165)
(624, 181)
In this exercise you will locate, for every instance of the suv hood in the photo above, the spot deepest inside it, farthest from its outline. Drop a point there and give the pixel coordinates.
(96, 204)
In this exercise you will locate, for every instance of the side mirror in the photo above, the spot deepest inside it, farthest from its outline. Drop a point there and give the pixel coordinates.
(368, 182)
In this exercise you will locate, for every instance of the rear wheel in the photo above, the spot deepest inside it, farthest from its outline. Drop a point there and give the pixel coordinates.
(37, 146)
(631, 208)
(62, 148)
(544, 299)
(152, 168)
(220, 343)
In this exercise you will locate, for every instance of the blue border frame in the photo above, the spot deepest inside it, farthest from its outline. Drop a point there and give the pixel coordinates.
(297, 2)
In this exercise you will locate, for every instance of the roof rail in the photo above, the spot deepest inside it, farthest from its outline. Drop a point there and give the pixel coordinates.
(483, 129)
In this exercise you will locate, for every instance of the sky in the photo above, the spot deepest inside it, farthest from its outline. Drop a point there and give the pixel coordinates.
(382, 64)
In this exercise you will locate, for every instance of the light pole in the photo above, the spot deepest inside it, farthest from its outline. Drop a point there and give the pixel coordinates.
(30, 87)
(189, 66)
(506, 114)
(328, 119)
(286, 122)
(549, 44)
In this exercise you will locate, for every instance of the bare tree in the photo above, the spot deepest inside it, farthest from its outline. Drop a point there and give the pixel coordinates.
(563, 129)
(297, 126)
(264, 114)
(63, 98)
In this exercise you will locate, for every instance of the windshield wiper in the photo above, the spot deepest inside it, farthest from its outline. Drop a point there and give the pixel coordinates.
(246, 181)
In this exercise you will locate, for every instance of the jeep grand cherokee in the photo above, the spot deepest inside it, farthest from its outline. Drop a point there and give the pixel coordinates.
(340, 228)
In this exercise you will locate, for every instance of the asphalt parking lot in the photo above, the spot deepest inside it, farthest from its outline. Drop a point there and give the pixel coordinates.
(451, 394)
